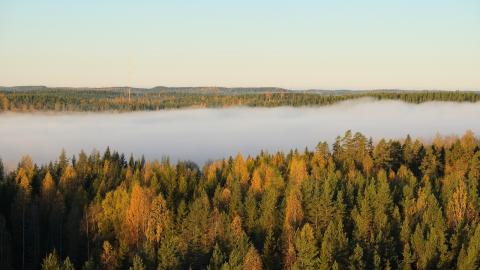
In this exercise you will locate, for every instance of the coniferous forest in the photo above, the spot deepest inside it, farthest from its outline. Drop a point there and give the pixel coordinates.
(123, 99)
(356, 204)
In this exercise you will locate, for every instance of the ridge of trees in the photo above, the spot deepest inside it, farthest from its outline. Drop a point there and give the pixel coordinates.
(119, 99)
(395, 204)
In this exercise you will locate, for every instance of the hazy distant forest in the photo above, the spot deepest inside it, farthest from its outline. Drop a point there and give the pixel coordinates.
(25, 99)
(355, 205)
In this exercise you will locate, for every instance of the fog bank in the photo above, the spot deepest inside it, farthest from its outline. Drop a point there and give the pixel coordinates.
(203, 134)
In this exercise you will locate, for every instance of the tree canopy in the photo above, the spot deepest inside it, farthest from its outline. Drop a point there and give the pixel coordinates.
(393, 204)
(125, 99)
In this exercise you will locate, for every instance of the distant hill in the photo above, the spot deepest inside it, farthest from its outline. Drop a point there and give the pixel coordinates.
(157, 89)
(22, 88)
(207, 90)
(219, 90)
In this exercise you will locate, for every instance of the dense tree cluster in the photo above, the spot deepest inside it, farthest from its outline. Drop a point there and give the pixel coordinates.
(46, 99)
(356, 205)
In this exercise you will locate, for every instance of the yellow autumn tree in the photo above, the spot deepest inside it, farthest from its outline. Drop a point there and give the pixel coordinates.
(293, 219)
(210, 172)
(109, 257)
(252, 260)
(226, 195)
(297, 170)
(147, 172)
(4, 103)
(236, 226)
(256, 186)
(68, 180)
(367, 164)
(48, 191)
(468, 141)
(240, 170)
(21, 205)
(271, 177)
(136, 215)
(26, 164)
(110, 216)
(457, 205)
(48, 187)
(293, 209)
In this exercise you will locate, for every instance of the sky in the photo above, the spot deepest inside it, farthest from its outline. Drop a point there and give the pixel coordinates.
(409, 44)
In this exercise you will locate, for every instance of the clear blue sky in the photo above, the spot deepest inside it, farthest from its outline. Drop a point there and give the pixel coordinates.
(295, 44)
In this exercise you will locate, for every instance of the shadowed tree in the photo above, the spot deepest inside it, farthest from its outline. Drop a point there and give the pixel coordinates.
(306, 249)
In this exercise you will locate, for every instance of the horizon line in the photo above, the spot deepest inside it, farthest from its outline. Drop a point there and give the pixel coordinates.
(251, 87)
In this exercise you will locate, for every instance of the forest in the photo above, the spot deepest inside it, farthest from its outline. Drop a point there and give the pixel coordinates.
(355, 204)
(122, 99)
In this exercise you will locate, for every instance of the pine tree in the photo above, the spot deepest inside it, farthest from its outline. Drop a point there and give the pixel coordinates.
(334, 247)
(357, 260)
(306, 249)
(5, 246)
(51, 262)
(137, 263)
(252, 260)
(168, 253)
(470, 254)
(109, 257)
(21, 210)
(159, 220)
(2, 171)
(217, 259)
(240, 170)
(67, 264)
(251, 213)
(238, 243)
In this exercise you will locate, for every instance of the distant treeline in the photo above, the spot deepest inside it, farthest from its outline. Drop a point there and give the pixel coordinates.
(26, 99)
(355, 205)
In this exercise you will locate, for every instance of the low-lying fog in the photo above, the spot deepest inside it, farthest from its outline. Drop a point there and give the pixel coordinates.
(203, 134)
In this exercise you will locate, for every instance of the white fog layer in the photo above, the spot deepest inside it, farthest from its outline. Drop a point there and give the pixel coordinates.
(203, 134)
